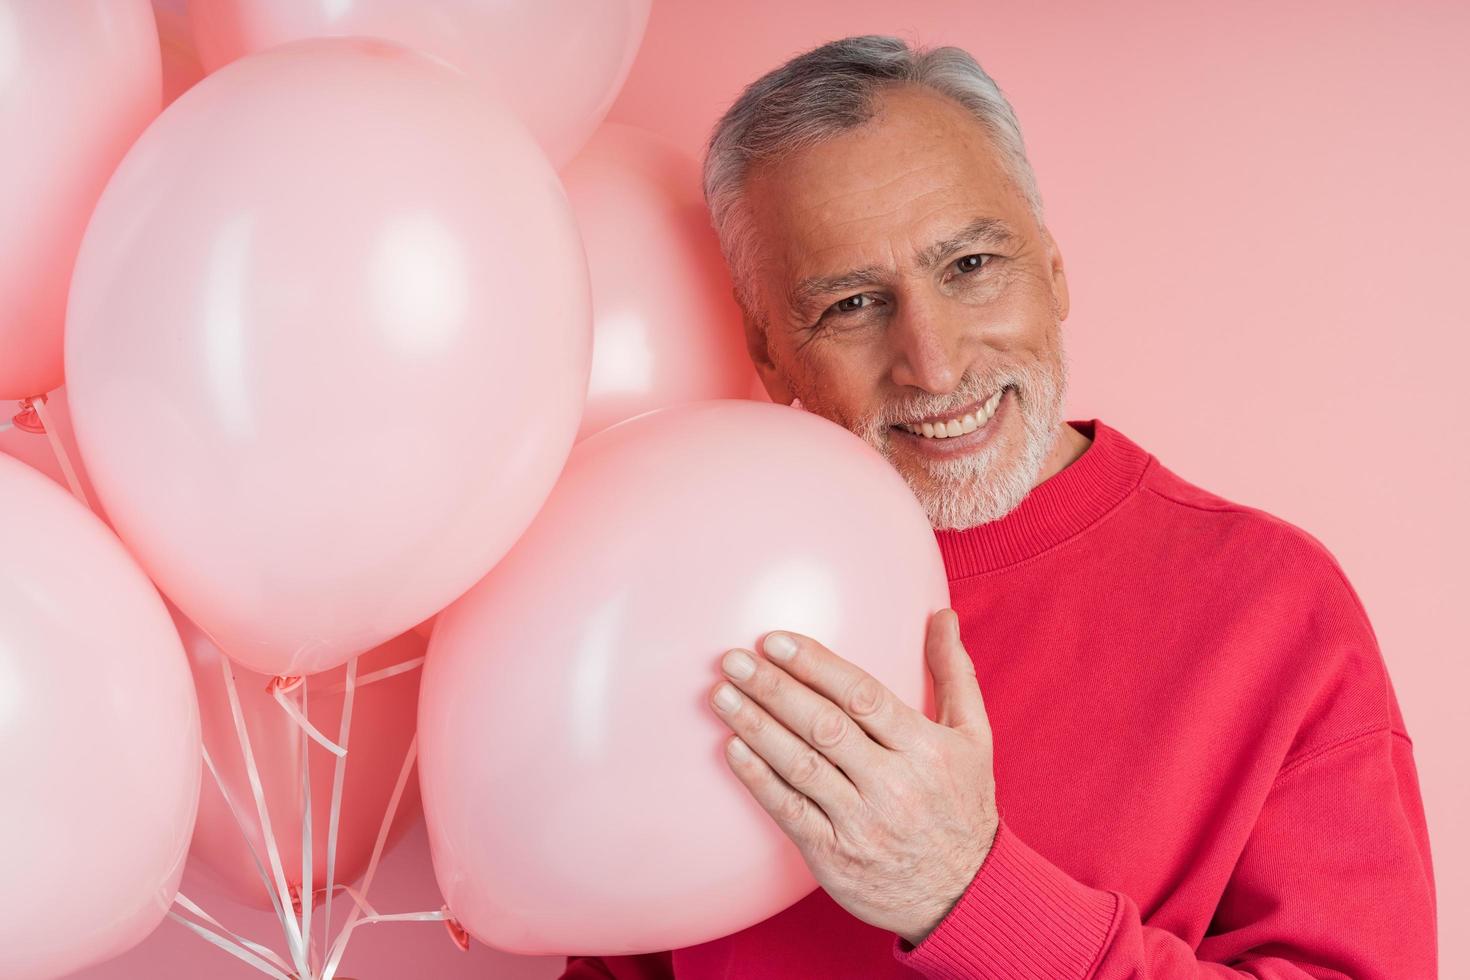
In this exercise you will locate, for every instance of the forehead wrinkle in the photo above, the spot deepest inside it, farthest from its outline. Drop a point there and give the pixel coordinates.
(944, 192)
(871, 189)
(810, 287)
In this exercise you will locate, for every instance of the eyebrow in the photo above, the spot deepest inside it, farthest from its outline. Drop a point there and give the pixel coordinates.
(815, 287)
(991, 231)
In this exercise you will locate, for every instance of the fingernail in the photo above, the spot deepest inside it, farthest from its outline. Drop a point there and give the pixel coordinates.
(738, 665)
(779, 646)
(738, 748)
(727, 698)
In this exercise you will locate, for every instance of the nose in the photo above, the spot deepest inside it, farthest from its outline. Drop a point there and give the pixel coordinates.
(930, 348)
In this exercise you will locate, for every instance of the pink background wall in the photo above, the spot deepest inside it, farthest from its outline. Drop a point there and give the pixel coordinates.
(1262, 208)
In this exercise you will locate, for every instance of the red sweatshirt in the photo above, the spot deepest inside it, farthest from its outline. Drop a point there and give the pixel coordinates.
(1200, 764)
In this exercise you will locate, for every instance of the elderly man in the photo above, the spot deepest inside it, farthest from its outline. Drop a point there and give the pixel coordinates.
(1188, 761)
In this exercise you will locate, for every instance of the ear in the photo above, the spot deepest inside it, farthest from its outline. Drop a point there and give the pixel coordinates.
(1060, 296)
(757, 345)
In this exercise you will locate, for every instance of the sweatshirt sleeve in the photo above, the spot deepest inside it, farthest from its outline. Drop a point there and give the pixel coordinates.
(644, 966)
(1334, 881)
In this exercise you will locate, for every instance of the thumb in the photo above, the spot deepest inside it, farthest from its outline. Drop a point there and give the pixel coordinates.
(957, 697)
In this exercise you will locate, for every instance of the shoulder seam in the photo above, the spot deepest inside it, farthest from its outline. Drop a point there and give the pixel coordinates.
(1234, 507)
(1303, 533)
(1352, 738)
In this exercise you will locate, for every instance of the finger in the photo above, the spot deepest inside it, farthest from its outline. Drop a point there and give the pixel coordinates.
(801, 819)
(957, 696)
(819, 722)
(876, 709)
(802, 767)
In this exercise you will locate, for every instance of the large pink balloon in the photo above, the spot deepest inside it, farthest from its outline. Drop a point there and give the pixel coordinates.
(383, 724)
(328, 346)
(79, 79)
(665, 326)
(99, 738)
(181, 67)
(574, 783)
(558, 64)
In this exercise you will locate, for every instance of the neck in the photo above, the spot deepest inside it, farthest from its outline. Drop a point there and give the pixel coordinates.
(1069, 445)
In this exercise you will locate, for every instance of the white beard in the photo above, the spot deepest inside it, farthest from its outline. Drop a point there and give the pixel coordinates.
(978, 487)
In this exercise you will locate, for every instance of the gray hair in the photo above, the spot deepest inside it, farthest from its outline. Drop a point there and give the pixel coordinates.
(824, 92)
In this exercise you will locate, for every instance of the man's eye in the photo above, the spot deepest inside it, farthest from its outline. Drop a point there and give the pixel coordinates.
(970, 263)
(851, 304)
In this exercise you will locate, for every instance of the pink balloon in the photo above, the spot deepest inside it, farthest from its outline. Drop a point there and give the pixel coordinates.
(328, 346)
(758, 391)
(383, 723)
(558, 64)
(35, 450)
(99, 737)
(79, 79)
(181, 67)
(665, 326)
(575, 789)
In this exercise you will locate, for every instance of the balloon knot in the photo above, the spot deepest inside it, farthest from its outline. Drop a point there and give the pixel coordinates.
(28, 419)
(295, 892)
(283, 683)
(457, 932)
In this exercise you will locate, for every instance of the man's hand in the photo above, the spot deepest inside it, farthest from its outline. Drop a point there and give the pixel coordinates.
(893, 813)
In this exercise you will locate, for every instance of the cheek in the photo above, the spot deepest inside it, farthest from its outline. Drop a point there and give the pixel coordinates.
(1013, 325)
(1026, 312)
(845, 379)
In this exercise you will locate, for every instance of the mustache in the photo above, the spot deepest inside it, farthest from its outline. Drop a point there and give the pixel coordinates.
(961, 397)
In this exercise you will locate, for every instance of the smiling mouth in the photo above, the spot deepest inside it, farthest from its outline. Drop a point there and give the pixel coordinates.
(959, 425)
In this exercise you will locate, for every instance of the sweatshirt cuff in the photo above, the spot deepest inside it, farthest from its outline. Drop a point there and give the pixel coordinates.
(1021, 916)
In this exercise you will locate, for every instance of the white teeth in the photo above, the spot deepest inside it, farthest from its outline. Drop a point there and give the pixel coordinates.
(960, 426)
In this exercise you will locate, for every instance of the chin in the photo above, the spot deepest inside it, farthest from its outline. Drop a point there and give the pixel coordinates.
(969, 492)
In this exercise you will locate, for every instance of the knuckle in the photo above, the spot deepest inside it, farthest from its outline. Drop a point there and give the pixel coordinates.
(754, 722)
(805, 768)
(830, 729)
(865, 697)
(850, 862)
(792, 809)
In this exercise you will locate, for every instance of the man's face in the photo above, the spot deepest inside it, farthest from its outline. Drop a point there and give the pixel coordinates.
(903, 277)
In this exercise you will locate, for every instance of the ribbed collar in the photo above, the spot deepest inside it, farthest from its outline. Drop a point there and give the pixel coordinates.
(1056, 509)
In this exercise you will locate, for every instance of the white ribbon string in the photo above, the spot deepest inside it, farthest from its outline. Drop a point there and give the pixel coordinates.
(379, 675)
(306, 832)
(301, 942)
(358, 899)
(245, 833)
(264, 952)
(298, 716)
(44, 413)
(338, 775)
(339, 947)
(231, 948)
(293, 932)
(367, 920)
